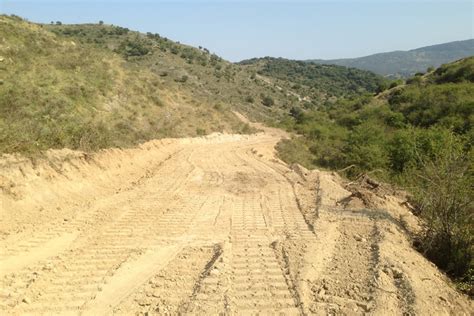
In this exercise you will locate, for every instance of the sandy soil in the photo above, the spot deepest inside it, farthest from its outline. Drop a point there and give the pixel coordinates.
(210, 225)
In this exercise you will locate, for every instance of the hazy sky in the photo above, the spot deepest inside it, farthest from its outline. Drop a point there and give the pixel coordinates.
(243, 29)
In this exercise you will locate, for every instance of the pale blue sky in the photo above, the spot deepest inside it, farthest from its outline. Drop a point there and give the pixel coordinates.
(243, 29)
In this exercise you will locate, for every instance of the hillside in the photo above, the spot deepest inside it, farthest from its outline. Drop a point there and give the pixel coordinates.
(417, 136)
(133, 181)
(406, 63)
(246, 84)
(317, 83)
(97, 86)
(57, 92)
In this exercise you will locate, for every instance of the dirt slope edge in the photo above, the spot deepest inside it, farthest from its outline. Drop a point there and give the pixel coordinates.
(207, 225)
(363, 259)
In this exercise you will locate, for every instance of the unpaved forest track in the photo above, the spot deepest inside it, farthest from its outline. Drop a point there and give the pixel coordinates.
(205, 226)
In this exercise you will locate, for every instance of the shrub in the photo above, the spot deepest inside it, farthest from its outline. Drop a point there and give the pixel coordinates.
(134, 47)
(298, 114)
(459, 71)
(249, 99)
(444, 193)
(381, 86)
(395, 83)
(268, 101)
(365, 148)
(295, 151)
(174, 50)
(414, 80)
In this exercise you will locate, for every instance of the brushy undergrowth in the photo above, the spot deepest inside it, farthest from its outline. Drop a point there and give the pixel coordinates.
(95, 86)
(418, 137)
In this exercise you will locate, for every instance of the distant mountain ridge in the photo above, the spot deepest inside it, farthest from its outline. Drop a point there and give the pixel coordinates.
(407, 63)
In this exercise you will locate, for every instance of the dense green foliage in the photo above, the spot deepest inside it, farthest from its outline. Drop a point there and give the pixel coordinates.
(418, 136)
(407, 63)
(447, 104)
(460, 71)
(313, 79)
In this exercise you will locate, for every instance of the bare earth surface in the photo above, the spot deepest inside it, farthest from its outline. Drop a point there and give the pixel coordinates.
(211, 225)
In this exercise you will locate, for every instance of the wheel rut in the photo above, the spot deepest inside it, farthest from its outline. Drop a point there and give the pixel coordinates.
(214, 225)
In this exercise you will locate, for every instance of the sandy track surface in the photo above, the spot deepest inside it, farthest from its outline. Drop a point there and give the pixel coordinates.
(204, 226)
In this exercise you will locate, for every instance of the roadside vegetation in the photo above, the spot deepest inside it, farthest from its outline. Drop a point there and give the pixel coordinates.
(60, 91)
(96, 86)
(418, 136)
(93, 86)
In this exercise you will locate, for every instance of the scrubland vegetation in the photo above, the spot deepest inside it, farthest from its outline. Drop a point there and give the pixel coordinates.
(96, 86)
(418, 136)
(318, 81)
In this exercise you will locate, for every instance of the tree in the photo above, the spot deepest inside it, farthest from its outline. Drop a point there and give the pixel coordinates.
(101, 22)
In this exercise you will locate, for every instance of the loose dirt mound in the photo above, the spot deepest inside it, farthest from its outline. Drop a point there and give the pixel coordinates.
(204, 226)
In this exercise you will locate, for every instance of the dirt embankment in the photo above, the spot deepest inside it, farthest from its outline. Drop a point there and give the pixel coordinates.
(205, 226)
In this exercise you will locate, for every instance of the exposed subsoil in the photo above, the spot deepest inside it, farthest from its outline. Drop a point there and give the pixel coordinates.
(210, 225)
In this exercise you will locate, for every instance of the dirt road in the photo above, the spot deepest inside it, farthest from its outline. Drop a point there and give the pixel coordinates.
(203, 226)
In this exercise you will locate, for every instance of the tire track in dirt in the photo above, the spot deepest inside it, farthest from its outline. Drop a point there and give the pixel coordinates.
(55, 233)
(348, 283)
(103, 253)
(217, 228)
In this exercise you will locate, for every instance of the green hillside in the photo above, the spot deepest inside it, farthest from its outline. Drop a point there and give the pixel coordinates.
(406, 63)
(94, 86)
(418, 136)
(316, 82)
(58, 92)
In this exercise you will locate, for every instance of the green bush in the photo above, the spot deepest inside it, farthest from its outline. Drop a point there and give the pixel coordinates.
(449, 104)
(249, 99)
(460, 71)
(268, 101)
(444, 192)
(366, 148)
(136, 47)
(414, 80)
